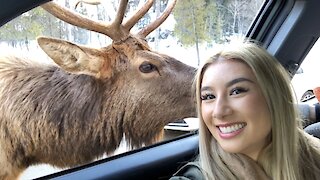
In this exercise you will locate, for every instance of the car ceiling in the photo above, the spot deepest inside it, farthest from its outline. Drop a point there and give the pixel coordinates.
(13, 8)
(292, 34)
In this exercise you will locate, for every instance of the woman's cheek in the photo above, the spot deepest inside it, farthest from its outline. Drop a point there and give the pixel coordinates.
(206, 113)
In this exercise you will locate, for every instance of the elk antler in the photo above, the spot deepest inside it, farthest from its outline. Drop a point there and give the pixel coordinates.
(113, 30)
(116, 30)
(151, 27)
(92, 2)
(140, 13)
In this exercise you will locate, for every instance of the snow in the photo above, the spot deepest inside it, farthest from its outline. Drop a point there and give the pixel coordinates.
(309, 78)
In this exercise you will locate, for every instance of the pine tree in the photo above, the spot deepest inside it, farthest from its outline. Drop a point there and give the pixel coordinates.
(195, 22)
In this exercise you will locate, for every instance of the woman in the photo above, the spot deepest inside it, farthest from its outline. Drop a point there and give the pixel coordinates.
(249, 125)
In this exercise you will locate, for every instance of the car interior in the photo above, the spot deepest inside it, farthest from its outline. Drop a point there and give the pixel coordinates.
(287, 28)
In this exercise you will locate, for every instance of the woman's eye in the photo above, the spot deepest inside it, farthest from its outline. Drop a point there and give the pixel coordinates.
(207, 97)
(236, 91)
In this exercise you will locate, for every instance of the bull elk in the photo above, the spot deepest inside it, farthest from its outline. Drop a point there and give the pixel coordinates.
(69, 113)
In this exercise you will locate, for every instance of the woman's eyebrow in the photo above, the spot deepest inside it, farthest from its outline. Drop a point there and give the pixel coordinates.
(237, 80)
(205, 88)
(230, 83)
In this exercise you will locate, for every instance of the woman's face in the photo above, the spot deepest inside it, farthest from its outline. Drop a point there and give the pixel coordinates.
(234, 108)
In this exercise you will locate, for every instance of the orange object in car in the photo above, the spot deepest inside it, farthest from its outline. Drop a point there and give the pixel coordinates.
(316, 92)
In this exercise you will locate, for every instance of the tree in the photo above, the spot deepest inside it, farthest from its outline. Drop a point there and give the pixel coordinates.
(213, 22)
(237, 15)
(195, 22)
(23, 29)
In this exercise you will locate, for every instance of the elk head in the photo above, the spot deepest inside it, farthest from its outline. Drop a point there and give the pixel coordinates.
(154, 88)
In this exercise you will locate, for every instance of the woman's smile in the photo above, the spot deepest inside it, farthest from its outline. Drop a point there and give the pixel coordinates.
(230, 130)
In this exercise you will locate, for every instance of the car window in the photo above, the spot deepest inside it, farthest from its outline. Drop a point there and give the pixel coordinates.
(306, 79)
(190, 34)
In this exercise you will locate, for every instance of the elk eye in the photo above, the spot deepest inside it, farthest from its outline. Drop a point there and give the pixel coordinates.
(147, 67)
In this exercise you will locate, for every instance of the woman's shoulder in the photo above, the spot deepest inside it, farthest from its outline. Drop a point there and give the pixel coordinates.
(190, 171)
(311, 140)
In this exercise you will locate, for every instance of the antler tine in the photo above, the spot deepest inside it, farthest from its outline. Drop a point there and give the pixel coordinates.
(138, 15)
(151, 27)
(92, 2)
(121, 11)
(113, 30)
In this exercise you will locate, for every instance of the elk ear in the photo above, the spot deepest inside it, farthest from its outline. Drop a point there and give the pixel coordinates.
(71, 57)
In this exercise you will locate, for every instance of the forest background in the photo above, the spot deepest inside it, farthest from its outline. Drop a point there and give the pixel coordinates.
(193, 24)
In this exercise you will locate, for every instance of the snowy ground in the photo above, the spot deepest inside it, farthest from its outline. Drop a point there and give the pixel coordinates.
(45, 169)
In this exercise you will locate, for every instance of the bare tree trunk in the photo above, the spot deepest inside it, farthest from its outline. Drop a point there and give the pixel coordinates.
(26, 43)
(195, 34)
(157, 31)
(68, 26)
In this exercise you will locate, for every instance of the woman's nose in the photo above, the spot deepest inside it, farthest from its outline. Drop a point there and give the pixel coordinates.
(222, 108)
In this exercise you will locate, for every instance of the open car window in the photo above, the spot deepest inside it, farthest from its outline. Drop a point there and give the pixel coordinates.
(190, 34)
(305, 81)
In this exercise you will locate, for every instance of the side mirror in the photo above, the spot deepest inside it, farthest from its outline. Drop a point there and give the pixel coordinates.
(308, 95)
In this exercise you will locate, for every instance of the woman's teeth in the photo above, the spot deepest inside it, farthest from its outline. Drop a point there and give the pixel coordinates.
(232, 128)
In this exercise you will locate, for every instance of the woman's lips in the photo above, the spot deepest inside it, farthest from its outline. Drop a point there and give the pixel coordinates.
(230, 130)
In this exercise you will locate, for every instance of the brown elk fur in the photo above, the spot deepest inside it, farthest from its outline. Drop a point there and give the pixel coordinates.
(50, 115)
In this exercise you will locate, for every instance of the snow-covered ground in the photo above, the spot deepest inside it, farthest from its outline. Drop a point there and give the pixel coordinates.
(44, 169)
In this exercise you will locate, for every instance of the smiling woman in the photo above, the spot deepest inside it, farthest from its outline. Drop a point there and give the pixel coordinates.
(246, 115)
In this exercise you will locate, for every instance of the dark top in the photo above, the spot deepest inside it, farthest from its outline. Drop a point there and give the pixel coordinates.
(190, 171)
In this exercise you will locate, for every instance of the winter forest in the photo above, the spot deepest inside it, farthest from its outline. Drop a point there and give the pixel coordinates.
(195, 25)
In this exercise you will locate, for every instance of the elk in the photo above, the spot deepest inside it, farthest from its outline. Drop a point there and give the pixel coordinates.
(71, 112)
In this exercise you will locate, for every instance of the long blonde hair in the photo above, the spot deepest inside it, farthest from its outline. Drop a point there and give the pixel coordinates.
(280, 159)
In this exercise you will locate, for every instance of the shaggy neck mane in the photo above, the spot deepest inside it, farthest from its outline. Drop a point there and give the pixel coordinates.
(56, 111)
(69, 106)
(54, 92)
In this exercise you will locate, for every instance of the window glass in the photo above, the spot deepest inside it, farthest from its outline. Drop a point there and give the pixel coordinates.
(305, 80)
(190, 34)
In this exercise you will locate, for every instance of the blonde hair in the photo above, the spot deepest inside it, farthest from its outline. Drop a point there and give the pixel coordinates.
(282, 158)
